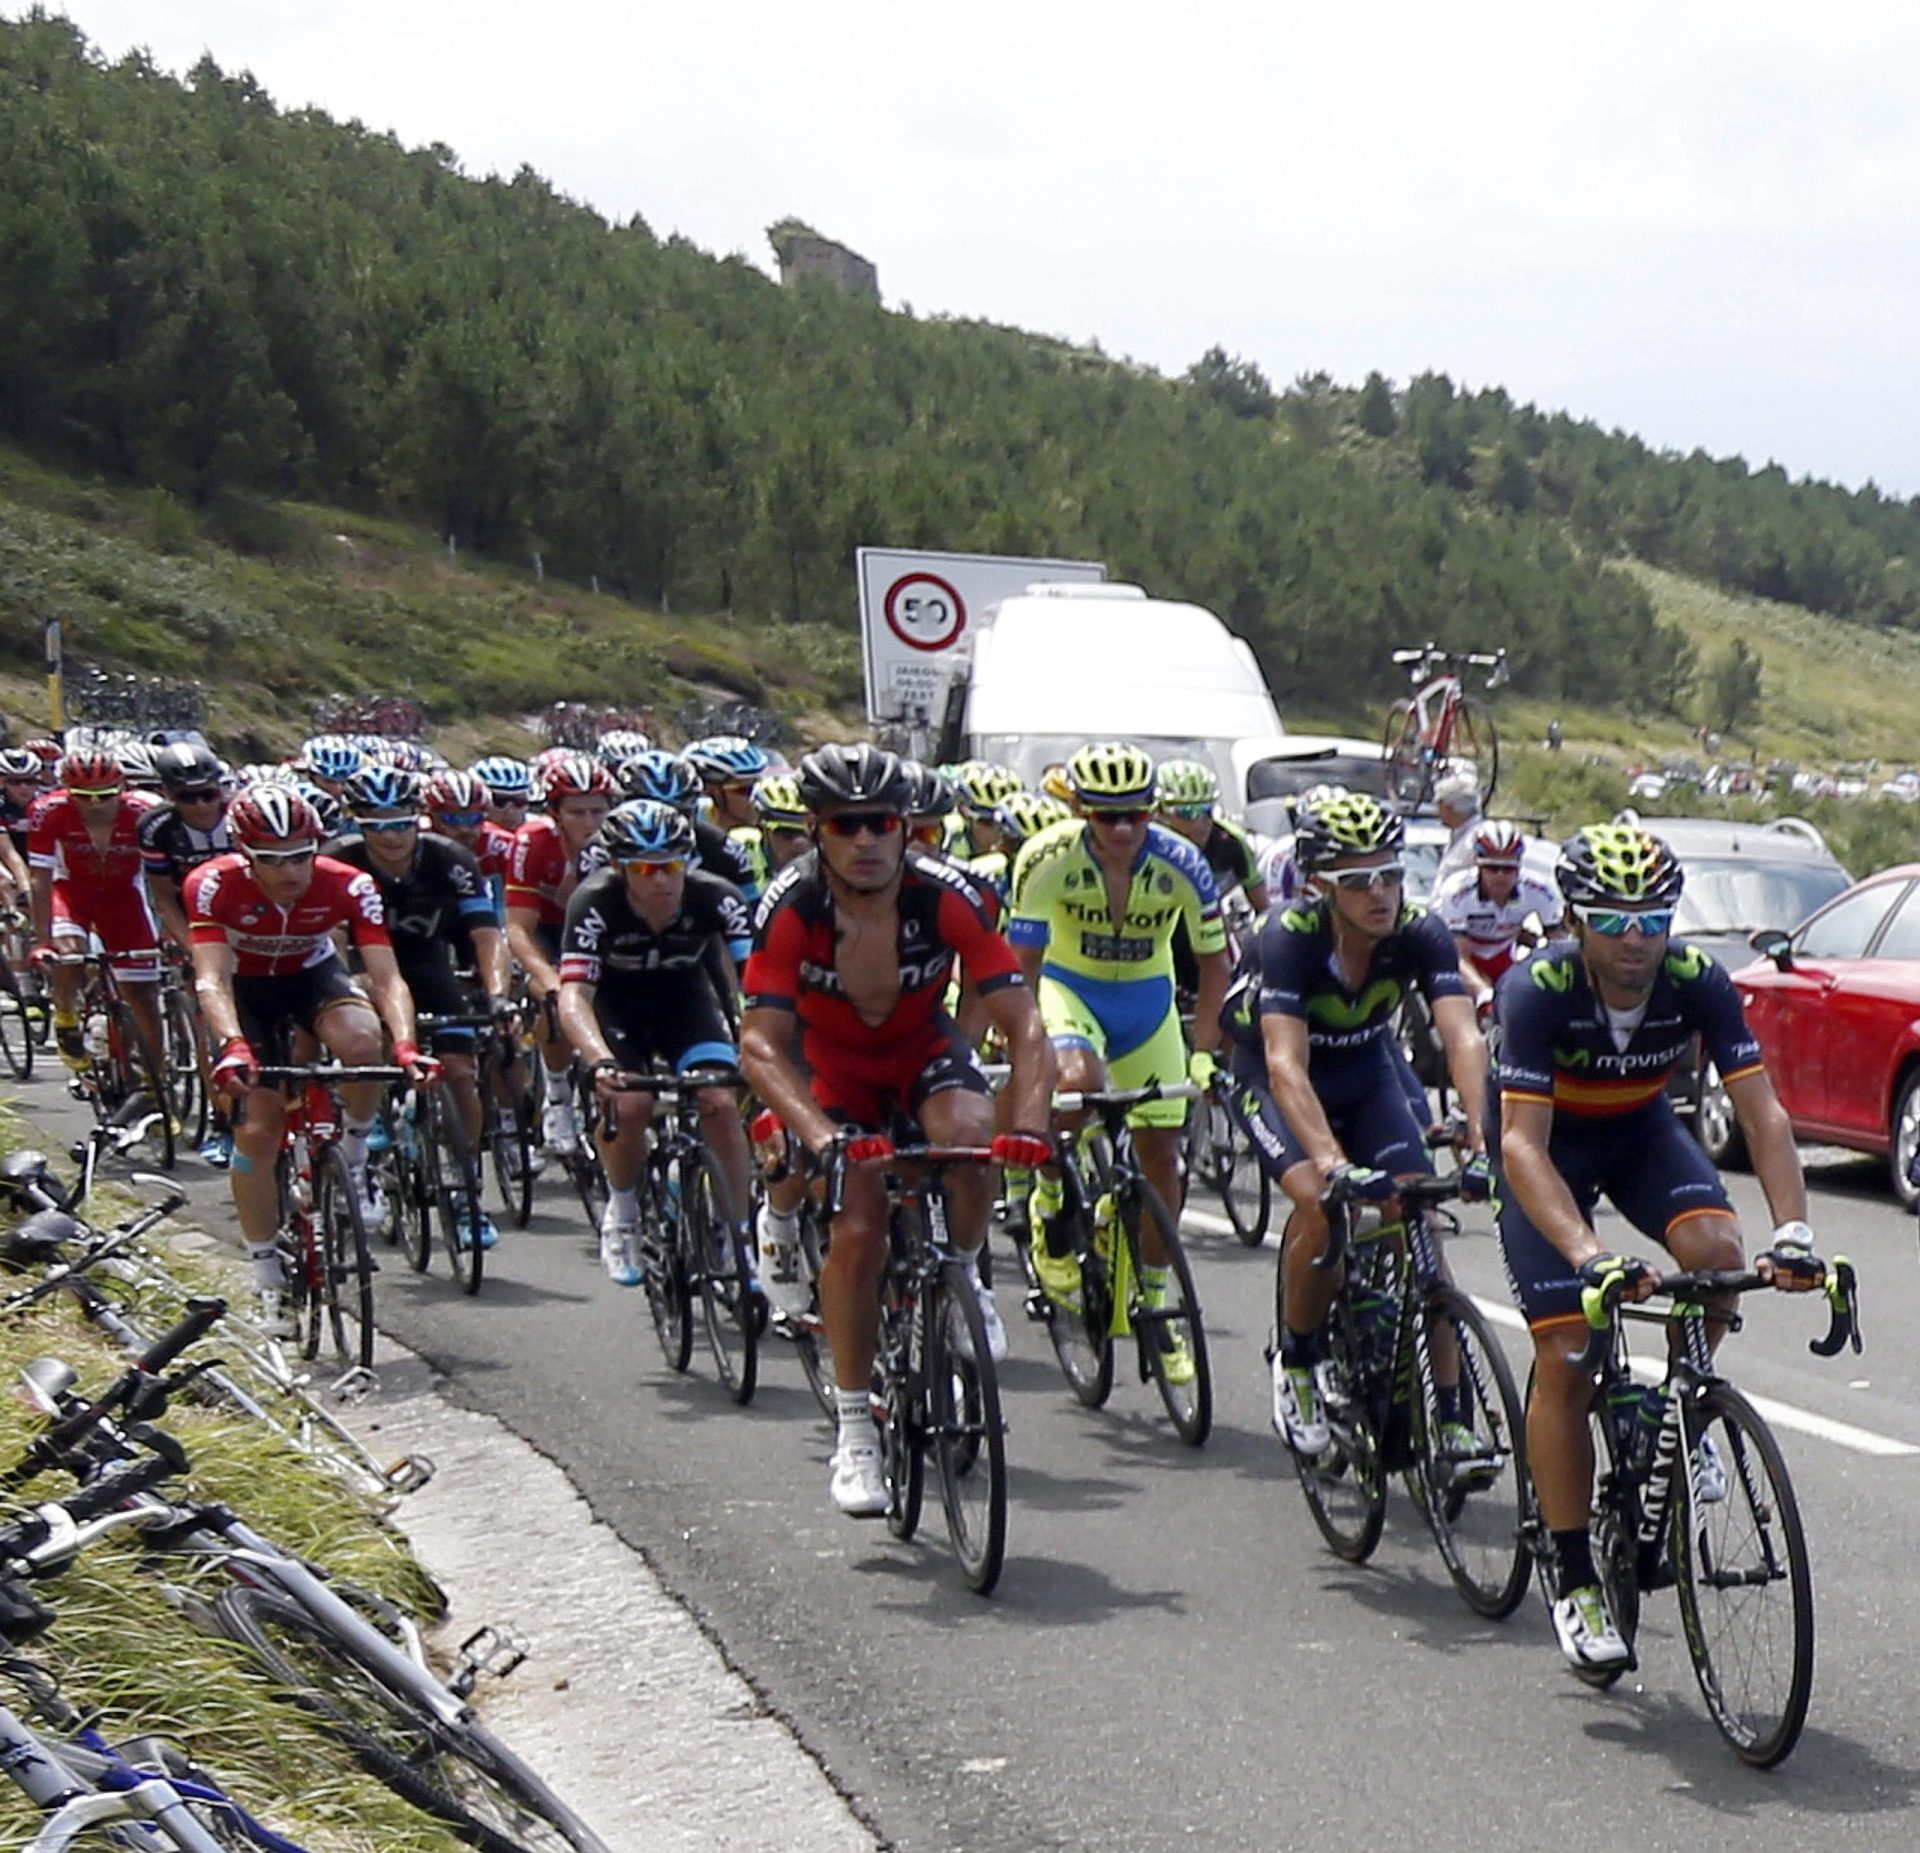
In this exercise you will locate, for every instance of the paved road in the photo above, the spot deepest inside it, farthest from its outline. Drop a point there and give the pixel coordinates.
(1172, 1658)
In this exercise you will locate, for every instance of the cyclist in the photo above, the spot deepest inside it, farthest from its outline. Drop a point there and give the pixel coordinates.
(930, 804)
(455, 804)
(439, 916)
(979, 789)
(1187, 800)
(649, 952)
(853, 948)
(727, 766)
(548, 861)
(1589, 1032)
(1486, 908)
(1321, 1085)
(262, 920)
(782, 815)
(20, 788)
(329, 760)
(509, 789)
(1095, 904)
(88, 882)
(666, 778)
(1285, 883)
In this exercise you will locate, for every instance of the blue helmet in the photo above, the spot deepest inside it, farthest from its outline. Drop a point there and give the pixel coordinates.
(643, 829)
(726, 759)
(326, 807)
(383, 788)
(662, 776)
(508, 780)
(332, 756)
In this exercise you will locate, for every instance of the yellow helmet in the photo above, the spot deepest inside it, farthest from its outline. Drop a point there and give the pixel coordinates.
(1112, 775)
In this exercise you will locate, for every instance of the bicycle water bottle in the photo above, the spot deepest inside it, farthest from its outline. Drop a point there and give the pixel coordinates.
(1106, 1227)
(1636, 1412)
(99, 1047)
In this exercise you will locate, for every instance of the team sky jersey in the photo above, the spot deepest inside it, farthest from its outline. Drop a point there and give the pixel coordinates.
(61, 848)
(943, 918)
(1289, 972)
(606, 942)
(171, 847)
(225, 906)
(1491, 927)
(1555, 1043)
(431, 903)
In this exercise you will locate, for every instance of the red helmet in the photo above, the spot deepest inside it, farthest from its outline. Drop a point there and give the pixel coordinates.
(578, 775)
(88, 768)
(455, 791)
(1497, 844)
(45, 750)
(270, 813)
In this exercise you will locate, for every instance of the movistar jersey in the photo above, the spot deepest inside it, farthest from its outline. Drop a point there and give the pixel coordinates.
(1555, 1043)
(1289, 971)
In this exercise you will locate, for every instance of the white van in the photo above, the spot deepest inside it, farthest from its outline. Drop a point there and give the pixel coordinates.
(1061, 664)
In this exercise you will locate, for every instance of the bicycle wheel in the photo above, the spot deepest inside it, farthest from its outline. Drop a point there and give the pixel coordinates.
(1346, 1487)
(510, 1149)
(1475, 743)
(584, 1168)
(964, 1429)
(456, 1193)
(1474, 1500)
(456, 1772)
(141, 1076)
(347, 1270)
(1409, 764)
(669, 1292)
(1228, 1165)
(1172, 1334)
(1082, 1341)
(726, 1294)
(300, 1257)
(16, 1036)
(408, 1180)
(809, 1335)
(186, 1098)
(1745, 1588)
(1614, 1523)
(902, 1439)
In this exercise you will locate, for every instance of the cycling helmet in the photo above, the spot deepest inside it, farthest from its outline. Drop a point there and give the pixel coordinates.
(777, 802)
(272, 813)
(1055, 784)
(91, 769)
(259, 772)
(507, 780)
(45, 750)
(453, 791)
(1351, 824)
(863, 774)
(1027, 813)
(663, 777)
(576, 775)
(1111, 775)
(382, 788)
(184, 766)
(1186, 783)
(932, 796)
(331, 812)
(726, 759)
(1618, 865)
(619, 744)
(640, 829)
(136, 761)
(332, 756)
(19, 762)
(1497, 844)
(980, 785)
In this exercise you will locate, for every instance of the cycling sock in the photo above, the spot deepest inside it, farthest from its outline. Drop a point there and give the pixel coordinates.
(267, 1271)
(1446, 1399)
(1019, 1183)
(627, 1202)
(854, 1409)
(1153, 1285)
(1574, 1549)
(1044, 1206)
(353, 1144)
(559, 1086)
(1299, 1350)
(970, 1260)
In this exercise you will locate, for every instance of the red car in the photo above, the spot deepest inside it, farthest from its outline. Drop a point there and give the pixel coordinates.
(1836, 1006)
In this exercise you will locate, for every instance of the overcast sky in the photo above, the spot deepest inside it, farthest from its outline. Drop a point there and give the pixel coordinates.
(1695, 220)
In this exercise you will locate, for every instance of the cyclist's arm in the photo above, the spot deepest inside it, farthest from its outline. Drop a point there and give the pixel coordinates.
(1477, 982)
(388, 991)
(165, 893)
(1770, 1144)
(490, 959)
(1535, 1184)
(1459, 1031)
(542, 979)
(766, 1057)
(213, 986)
(579, 1024)
(1284, 1040)
(1011, 1010)
(1216, 973)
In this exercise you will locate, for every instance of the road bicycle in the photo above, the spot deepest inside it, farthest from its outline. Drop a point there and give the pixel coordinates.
(508, 1106)
(1108, 1206)
(1396, 1324)
(187, 1093)
(1220, 1158)
(436, 1173)
(26, 1016)
(1735, 1553)
(1439, 724)
(119, 1072)
(935, 1389)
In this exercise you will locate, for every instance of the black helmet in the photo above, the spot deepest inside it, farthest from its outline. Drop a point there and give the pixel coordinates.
(928, 794)
(642, 830)
(183, 766)
(1618, 865)
(861, 774)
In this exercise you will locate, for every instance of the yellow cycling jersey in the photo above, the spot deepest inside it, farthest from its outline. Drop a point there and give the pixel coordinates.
(1060, 902)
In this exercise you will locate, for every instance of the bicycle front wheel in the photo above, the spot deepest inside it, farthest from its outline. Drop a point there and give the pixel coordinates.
(1082, 1339)
(669, 1292)
(964, 1430)
(456, 1196)
(1166, 1317)
(1745, 1588)
(1409, 764)
(1346, 1487)
(16, 1036)
(903, 1442)
(726, 1295)
(510, 1148)
(347, 1267)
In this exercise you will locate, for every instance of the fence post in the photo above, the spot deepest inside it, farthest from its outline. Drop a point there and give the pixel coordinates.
(56, 678)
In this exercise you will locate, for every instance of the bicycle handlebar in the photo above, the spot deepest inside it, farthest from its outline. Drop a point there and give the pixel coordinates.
(1106, 1100)
(299, 1074)
(1340, 1198)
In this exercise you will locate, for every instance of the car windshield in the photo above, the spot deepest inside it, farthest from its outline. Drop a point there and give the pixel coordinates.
(1282, 778)
(1740, 895)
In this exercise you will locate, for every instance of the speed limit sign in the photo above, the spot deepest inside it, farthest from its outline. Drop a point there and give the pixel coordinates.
(924, 612)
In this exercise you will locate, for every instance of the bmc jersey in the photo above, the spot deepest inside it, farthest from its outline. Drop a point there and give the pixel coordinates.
(1289, 971)
(431, 902)
(173, 848)
(226, 907)
(1491, 927)
(1555, 1043)
(61, 847)
(606, 942)
(943, 917)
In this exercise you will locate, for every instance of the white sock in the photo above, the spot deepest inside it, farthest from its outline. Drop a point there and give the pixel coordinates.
(855, 1411)
(353, 1144)
(267, 1271)
(627, 1203)
(559, 1086)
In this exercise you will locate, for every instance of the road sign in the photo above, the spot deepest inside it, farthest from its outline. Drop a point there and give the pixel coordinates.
(916, 609)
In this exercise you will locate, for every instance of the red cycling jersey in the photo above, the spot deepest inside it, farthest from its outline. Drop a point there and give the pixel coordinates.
(541, 875)
(494, 850)
(226, 906)
(61, 846)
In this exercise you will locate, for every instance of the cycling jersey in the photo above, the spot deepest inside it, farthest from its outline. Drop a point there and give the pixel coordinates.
(1231, 856)
(750, 844)
(172, 847)
(62, 848)
(607, 942)
(541, 876)
(225, 906)
(1490, 928)
(13, 819)
(429, 903)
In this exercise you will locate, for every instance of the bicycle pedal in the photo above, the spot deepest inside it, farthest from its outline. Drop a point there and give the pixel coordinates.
(353, 1386)
(493, 1651)
(410, 1472)
(1038, 1307)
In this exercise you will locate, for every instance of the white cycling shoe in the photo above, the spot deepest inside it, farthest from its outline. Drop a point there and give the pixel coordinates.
(560, 1129)
(1586, 1631)
(620, 1248)
(858, 1486)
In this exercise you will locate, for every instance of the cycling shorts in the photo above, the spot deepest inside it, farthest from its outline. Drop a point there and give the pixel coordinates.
(680, 1024)
(867, 1088)
(1646, 1164)
(438, 992)
(122, 921)
(1081, 1015)
(1370, 1108)
(271, 1008)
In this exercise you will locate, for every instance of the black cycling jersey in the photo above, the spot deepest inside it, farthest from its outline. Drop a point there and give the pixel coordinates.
(13, 819)
(606, 942)
(717, 853)
(1231, 857)
(430, 905)
(172, 847)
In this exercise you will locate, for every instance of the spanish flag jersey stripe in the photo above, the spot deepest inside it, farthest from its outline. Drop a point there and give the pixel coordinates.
(1605, 1097)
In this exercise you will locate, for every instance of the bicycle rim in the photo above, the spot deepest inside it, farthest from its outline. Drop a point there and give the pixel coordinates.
(1745, 1588)
(1346, 1487)
(1172, 1335)
(809, 1336)
(669, 1294)
(1475, 741)
(16, 1038)
(964, 1428)
(348, 1270)
(510, 1145)
(902, 1442)
(1474, 1502)
(1409, 765)
(726, 1298)
(409, 1184)
(456, 1200)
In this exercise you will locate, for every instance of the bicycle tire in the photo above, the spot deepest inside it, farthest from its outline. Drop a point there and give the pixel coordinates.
(1346, 1487)
(510, 1140)
(1160, 1329)
(452, 1772)
(1710, 1587)
(965, 1430)
(142, 1076)
(664, 1282)
(457, 1202)
(903, 1454)
(1613, 1522)
(406, 1167)
(16, 1036)
(1475, 741)
(1409, 766)
(300, 1260)
(1242, 1161)
(347, 1270)
(187, 1099)
(1478, 1527)
(809, 1335)
(726, 1290)
(584, 1169)
(1082, 1341)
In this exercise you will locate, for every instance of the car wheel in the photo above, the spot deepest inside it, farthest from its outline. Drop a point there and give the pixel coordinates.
(1906, 1138)
(1715, 1123)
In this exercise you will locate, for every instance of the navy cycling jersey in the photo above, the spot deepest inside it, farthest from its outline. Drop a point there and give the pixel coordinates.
(1289, 971)
(1554, 1042)
(432, 903)
(606, 942)
(172, 847)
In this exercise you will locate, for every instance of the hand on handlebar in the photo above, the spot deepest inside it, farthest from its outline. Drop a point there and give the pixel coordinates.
(422, 1070)
(1790, 1264)
(610, 1080)
(1359, 1184)
(1027, 1149)
(238, 1067)
(1636, 1279)
(1476, 1178)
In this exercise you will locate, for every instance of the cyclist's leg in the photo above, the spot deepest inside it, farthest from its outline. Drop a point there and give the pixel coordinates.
(129, 931)
(1672, 1192)
(1079, 1045)
(953, 1102)
(70, 936)
(622, 1132)
(1139, 1054)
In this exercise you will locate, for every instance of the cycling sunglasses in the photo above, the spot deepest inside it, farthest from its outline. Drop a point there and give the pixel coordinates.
(383, 826)
(1188, 810)
(88, 794)
(873, 823)
(1613, 922)
(286, 856)
(653, 865)
(206, 796)
(1128, 814)
(1358, 881)
(461, 820)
